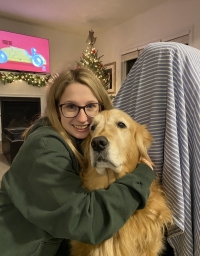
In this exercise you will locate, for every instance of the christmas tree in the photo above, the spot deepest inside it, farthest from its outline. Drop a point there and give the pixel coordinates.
(91, 60)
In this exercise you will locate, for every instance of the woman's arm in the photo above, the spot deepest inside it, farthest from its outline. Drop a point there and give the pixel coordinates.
(48, 192)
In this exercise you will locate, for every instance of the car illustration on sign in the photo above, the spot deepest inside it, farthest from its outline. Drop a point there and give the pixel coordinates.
(21, 55)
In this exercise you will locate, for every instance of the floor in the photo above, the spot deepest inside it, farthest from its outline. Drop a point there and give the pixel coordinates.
(4, 165)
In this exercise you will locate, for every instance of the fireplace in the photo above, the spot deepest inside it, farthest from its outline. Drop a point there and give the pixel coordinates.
(17, 113)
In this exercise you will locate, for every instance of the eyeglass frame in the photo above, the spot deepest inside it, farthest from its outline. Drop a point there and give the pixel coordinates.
(101, 107)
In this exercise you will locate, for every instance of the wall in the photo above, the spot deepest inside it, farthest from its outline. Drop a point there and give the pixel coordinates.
(169, 19)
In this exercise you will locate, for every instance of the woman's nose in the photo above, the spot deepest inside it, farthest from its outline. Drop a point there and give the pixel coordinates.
(81, 117)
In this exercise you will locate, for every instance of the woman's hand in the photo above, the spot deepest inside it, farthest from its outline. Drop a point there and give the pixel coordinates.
(147, 162)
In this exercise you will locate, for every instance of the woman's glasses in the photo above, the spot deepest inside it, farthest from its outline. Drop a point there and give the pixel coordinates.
(72, 110)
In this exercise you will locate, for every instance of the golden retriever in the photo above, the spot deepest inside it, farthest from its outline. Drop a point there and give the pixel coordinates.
(114, 148)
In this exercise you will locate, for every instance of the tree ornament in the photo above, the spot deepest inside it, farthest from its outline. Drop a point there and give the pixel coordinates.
(91, 39)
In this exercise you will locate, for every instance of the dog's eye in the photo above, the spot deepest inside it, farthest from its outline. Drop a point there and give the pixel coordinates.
(121, 125)
(92, 127)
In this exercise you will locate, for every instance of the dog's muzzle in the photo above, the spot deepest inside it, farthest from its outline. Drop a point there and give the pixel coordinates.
(100, 155)
(99, 143)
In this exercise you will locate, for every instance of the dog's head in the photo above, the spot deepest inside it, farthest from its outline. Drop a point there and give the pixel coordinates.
(116, 142)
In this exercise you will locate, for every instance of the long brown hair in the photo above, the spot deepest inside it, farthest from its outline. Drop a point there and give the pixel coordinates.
(57, 86)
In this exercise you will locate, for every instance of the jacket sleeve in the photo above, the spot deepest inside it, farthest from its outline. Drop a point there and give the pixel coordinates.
(45, 188)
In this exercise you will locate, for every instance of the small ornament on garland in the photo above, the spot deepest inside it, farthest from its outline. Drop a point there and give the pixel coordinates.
(34, 80)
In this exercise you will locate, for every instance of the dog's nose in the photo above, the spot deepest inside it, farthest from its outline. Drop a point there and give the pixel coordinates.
(99, 143)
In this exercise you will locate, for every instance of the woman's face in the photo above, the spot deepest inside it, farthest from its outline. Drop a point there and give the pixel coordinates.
(79, 95)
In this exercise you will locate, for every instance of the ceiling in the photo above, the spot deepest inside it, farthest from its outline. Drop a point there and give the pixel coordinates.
(75, 16)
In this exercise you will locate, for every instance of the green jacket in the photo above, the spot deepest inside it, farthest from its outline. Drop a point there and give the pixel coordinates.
(42, 201)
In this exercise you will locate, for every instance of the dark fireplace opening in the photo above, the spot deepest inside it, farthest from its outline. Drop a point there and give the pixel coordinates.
(17, 113)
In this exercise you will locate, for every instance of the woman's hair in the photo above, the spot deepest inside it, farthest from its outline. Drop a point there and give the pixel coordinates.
(57, 87)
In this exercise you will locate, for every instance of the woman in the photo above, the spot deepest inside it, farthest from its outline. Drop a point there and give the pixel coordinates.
(42, 202)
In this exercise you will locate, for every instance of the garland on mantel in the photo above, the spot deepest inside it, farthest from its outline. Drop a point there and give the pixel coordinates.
(34, 80)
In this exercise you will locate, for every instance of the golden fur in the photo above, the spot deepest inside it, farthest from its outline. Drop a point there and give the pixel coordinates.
(143, 233)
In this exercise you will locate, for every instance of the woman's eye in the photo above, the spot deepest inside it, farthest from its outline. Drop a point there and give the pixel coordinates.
(92, 127)
(121, 125)
(90, 106)
(70, 106)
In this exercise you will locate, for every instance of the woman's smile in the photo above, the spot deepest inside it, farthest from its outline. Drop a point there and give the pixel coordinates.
(81, 127)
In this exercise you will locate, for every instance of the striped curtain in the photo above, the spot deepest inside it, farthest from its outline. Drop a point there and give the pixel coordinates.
(162, 91)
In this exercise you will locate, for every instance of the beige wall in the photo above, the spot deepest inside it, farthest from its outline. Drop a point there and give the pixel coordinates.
(169, 19)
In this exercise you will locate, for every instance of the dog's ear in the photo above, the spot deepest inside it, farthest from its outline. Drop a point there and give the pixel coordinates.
(143, 140)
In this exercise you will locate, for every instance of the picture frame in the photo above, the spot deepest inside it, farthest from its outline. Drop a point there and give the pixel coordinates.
(111, 70)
